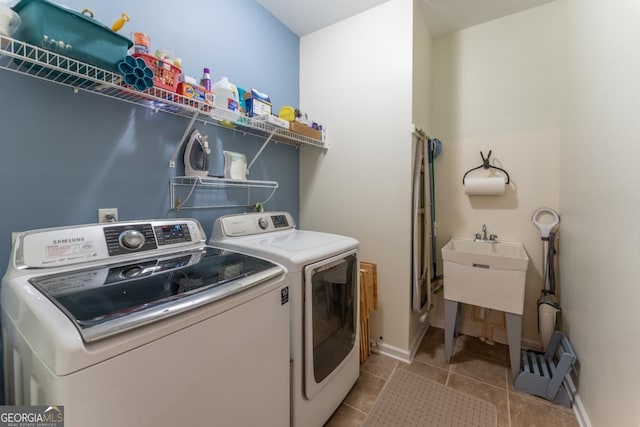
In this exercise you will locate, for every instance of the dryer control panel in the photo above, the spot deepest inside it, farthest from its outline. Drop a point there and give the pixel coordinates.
(252, 223)
(61, 246)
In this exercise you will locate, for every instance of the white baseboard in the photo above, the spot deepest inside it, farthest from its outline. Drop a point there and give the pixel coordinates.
(578, 408)
(581, 414)
(394, 352)
(398, 353)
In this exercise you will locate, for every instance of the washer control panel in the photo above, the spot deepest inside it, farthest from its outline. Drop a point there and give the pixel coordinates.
(54, 247)
(252, 223)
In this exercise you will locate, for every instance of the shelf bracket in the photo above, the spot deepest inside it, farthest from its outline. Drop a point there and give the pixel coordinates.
(264, 145)
(172, 162)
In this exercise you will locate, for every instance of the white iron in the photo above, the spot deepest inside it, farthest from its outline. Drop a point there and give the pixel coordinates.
(196, 155)
(548, 303)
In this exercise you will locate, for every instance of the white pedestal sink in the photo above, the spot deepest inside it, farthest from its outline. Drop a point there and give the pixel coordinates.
(491, 275)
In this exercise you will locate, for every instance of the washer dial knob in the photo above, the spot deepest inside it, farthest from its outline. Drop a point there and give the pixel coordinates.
(131, 239)
(263, 223)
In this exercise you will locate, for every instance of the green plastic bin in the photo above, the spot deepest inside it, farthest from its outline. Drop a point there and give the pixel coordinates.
(69, 33)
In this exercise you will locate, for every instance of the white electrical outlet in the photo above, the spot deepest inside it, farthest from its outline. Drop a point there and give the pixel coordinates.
(108, 215)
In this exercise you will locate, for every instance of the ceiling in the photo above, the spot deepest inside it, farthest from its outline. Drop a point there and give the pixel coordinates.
(442, 16)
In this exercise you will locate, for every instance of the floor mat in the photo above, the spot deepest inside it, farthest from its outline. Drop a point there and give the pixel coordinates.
(411, 400)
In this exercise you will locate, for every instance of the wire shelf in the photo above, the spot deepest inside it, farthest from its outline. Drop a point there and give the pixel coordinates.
(36, 62)
(238, 193)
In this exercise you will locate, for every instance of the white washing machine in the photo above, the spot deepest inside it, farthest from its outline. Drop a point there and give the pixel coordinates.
(324, 281)
(142, 324)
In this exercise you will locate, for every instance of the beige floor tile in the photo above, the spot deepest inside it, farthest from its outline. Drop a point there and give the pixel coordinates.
(474, 345)
(540, 400)
(365, 392)
(510, 380)
(471, 373)
(431, 372)
(485, 369)
(380, 366)
(483, 391)
(526, 412)
(434, 334)
(431, 349)
(346, 417)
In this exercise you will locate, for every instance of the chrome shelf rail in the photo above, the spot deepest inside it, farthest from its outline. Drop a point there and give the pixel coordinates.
(182, 189)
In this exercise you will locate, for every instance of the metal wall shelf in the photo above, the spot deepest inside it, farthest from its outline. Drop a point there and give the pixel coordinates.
(33, 61)
(241, 193)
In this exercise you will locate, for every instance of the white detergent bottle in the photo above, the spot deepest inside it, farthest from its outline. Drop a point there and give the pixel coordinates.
(226, 95)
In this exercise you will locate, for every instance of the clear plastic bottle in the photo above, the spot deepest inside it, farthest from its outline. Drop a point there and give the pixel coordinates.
(206, 79)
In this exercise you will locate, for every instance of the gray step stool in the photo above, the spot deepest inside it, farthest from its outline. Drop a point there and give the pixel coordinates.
(542, 374)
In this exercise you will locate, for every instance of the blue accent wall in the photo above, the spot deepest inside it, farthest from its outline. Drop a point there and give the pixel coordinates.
(66, 154)
(63, 155)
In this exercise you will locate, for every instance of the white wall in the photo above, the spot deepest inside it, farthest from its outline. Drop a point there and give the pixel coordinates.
(498, 86)
(600, 205)
(421, 81)
(554, 92)
(356, 78)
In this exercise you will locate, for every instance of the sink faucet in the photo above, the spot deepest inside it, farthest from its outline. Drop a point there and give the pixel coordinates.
(483, 237)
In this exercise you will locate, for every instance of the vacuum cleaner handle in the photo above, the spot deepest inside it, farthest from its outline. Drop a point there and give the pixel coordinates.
(545, 228)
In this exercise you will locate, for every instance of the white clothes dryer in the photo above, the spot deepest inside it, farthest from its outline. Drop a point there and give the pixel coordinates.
(324, 287)
(142, 324)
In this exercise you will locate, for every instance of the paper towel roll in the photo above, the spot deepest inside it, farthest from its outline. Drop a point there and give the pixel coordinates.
(488, 186)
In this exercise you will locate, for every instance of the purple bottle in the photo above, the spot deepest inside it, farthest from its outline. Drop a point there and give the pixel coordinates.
(206, 79)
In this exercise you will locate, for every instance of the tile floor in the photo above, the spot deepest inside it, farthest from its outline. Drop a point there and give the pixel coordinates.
(477, 368)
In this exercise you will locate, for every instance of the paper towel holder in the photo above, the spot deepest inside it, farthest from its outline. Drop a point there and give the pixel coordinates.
(485, 165)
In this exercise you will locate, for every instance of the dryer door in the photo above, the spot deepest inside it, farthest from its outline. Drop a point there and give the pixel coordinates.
(330, 318)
